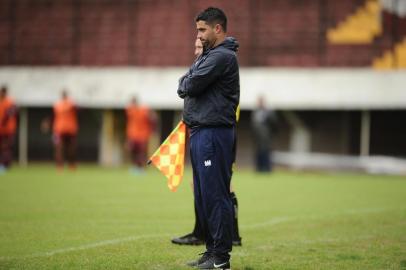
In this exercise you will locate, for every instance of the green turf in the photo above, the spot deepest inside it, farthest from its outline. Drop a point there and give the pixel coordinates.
(109, 219)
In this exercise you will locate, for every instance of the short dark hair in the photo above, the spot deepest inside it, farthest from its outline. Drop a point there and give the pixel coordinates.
(212, 15)
(64, 93)
(3, 89)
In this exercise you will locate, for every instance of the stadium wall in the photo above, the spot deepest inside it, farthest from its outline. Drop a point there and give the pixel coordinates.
(281, 33)
(283, 88)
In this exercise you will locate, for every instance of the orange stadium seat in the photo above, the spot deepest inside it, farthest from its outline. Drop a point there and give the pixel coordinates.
(361, 27)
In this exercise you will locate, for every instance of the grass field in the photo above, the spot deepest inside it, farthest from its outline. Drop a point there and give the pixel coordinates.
(109, 219)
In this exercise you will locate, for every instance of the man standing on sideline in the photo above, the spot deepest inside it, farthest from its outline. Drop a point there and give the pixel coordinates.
(211, 90)
(65, 129)
(140, 124)
(8, 123)
(263, 123)
(197, 237)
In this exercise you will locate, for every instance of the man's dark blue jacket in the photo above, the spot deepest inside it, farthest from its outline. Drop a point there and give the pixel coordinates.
(211, 88)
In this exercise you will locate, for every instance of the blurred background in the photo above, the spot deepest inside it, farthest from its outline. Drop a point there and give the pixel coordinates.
(332, 71)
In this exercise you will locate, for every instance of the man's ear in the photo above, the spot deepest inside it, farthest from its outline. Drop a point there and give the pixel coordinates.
(217, 28)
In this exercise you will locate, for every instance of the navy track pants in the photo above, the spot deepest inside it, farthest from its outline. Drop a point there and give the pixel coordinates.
(211, 151)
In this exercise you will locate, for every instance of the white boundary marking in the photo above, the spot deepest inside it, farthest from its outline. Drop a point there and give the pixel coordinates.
(282, 219)
(87, 246)
(270, 222)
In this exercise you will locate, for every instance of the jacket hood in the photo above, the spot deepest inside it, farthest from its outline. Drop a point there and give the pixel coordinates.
(231, 43)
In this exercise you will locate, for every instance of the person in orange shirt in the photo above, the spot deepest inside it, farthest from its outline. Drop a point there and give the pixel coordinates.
(140, 125)
(8, 123)
(65, 129)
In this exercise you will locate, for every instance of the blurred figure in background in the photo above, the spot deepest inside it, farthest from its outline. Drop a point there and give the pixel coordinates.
(8, 123)
(196, 237)
(140, 125)
(198, 48)
(263, 123)
(65, 129)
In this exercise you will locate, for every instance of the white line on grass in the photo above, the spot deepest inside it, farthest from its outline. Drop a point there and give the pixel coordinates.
(270, 222)
(282, 219)
(88, 246)
(295, 243)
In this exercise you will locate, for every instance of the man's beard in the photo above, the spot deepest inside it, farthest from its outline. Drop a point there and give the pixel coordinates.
(207, 44)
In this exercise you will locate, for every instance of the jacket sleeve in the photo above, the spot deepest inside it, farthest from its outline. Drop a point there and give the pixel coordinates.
(181, 92)
(196, 82)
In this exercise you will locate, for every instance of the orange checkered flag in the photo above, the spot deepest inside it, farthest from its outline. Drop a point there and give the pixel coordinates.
(169, 158)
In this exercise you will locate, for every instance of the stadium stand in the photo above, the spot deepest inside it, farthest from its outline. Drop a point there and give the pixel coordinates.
(376, 30)
(395, 58)
(393, 52)
(281, 33)
(360, 27)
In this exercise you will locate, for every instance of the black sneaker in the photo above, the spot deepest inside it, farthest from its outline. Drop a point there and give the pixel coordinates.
(212, 263)
(188, 239)
(201, 260)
